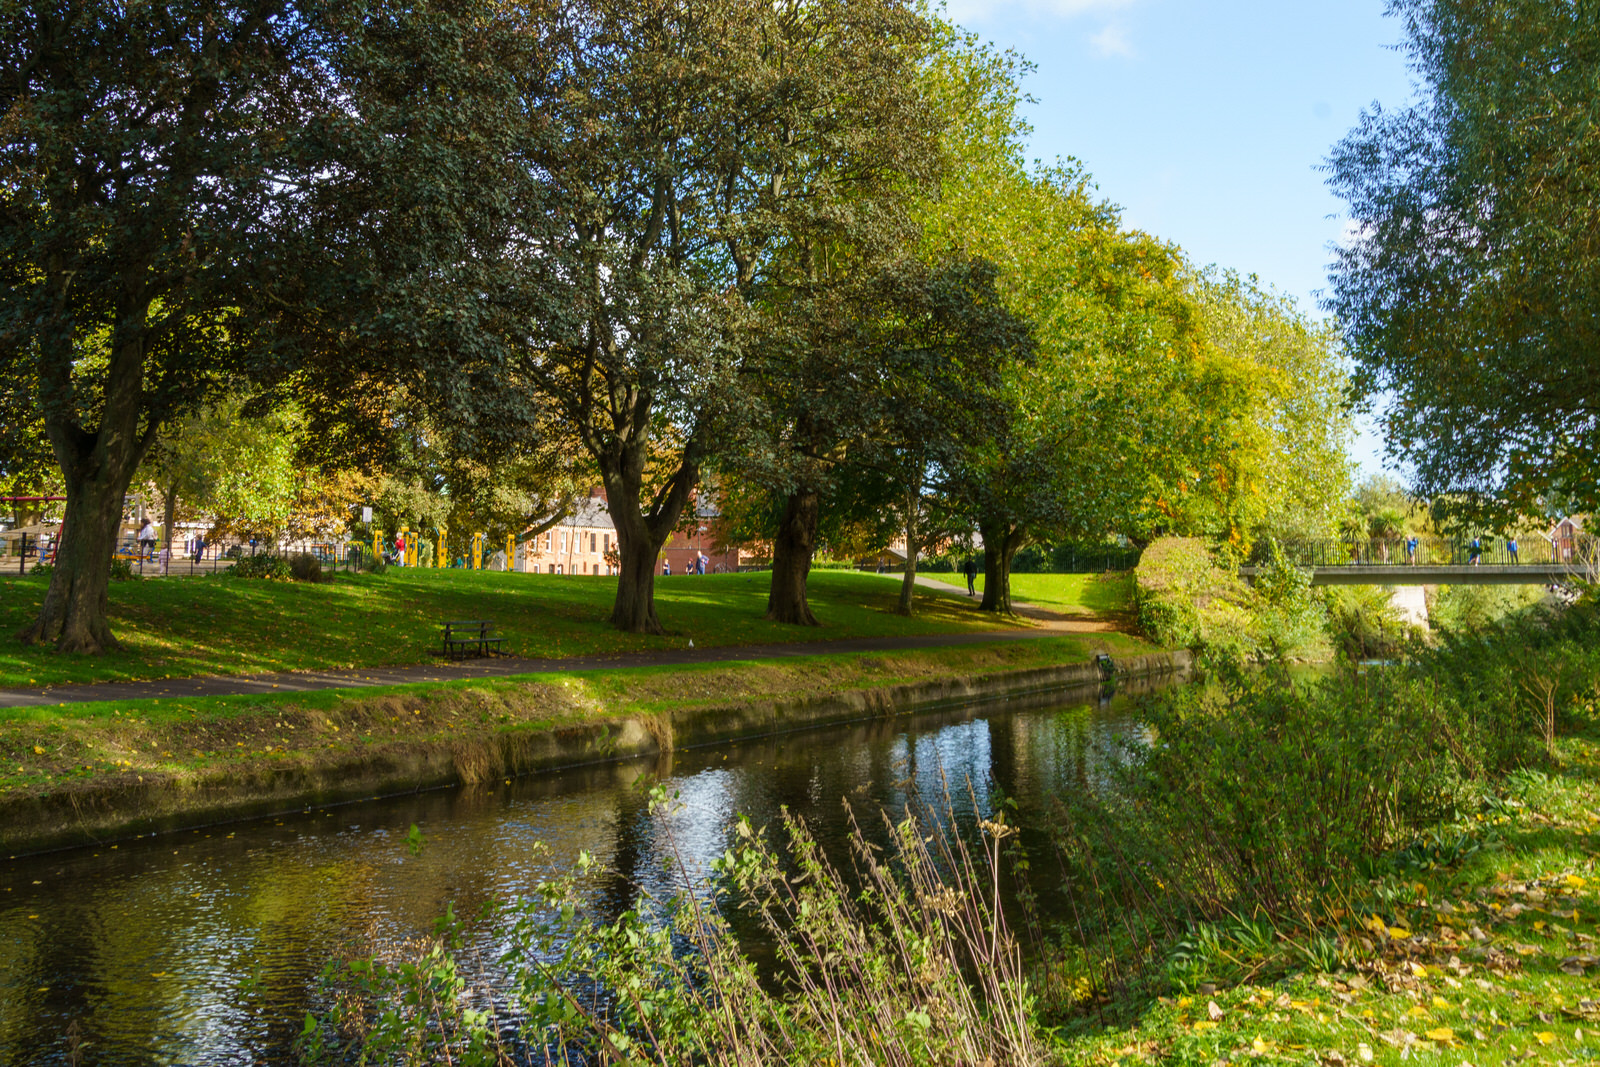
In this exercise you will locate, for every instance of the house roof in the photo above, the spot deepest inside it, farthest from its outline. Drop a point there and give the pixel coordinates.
(1576, 521)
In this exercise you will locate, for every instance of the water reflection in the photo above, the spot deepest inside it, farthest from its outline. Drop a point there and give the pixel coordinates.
(204, 947)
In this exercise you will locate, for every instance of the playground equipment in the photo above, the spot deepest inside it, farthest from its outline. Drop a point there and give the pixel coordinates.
(444, 560)
(477, 551)
(511, 552)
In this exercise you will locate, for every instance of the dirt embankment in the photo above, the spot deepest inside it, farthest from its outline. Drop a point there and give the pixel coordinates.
(137, 773)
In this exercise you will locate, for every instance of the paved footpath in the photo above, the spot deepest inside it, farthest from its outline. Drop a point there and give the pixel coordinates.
(490, 667)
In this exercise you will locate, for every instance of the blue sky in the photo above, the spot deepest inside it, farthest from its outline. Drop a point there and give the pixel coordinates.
(1206, 122)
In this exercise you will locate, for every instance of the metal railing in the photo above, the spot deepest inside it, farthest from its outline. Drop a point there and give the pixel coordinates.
(1577, 551)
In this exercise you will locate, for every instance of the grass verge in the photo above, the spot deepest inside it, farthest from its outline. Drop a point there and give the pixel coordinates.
(180, 627)
(76, 746)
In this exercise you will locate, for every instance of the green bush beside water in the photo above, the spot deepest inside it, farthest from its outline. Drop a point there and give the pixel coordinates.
(1185, 599)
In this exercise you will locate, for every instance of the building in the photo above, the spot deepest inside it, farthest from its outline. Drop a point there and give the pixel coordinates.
(578, 544)
(1564, 538)
(703, 538)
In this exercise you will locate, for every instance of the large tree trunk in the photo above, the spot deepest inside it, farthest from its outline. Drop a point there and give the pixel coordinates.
(75, 606)
(908, 586)
(792, 549)
(169, 514)
(98, 466)
(641, 533)
(1000, 543)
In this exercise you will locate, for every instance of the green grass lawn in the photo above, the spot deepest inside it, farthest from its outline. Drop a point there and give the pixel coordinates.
(178, 627)
(1071, 594)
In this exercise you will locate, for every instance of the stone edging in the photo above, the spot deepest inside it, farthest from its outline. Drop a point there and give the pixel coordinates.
(102, 812)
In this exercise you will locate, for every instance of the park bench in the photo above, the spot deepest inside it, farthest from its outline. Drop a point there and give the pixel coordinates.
(471, 637)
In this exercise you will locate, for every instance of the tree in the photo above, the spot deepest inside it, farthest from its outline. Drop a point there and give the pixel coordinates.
(219, 461)
(952, 347)
(679, 150)
(1470, 291)
(184, 187)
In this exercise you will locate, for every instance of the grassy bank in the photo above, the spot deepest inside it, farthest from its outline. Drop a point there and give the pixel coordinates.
(177, 628)
(48, 750)
(1075, 595)
(1478, 946)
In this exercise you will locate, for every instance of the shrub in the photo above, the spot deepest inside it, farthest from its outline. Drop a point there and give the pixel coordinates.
(1474, 607)
(1292, 617)
(1257, 795)
(42, 570)
(1183, 599)
(1363, 622)
(305, 567)
(121, 571)
(261, 566)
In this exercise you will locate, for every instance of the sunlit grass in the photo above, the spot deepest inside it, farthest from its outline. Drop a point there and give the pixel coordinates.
(180, 627)
(1071, 594)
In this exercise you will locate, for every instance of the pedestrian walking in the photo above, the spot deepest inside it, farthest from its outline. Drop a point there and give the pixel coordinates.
(199, 547)
(1477, 552)
(166, 560)
(699, 563)
(969, 567)
(147, 541)
(1411, 551)
(1511, 549)
(666, 568)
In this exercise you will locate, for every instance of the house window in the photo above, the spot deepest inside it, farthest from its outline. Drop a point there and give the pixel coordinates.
(592, 540)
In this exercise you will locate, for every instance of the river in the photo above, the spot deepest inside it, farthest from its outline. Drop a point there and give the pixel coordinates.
(205, 946)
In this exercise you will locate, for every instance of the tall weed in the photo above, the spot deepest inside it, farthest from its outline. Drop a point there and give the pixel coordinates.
(903, 960)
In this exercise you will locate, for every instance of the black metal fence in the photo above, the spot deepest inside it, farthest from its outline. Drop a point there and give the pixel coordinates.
(1575, 551)
(25, 551)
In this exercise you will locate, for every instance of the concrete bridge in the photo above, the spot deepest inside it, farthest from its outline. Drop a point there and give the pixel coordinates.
(1449, 574)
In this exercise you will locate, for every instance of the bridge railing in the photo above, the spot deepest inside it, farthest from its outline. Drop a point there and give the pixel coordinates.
(1434, 552)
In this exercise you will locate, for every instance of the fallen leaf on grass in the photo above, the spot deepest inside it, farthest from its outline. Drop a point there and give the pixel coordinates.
(1213, 1012)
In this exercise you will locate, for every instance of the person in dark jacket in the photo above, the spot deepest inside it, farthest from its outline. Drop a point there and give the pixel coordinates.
(969, 567)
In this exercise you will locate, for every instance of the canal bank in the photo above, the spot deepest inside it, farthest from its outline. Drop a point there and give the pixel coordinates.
(107, 773)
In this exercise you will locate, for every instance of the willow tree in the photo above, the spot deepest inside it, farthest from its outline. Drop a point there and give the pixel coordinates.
(681, 153)
(1470, 292)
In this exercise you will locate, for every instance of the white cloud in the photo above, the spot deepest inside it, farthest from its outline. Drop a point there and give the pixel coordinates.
(1112, 41)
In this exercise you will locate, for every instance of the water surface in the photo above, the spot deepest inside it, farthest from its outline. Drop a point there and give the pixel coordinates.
(205, 946)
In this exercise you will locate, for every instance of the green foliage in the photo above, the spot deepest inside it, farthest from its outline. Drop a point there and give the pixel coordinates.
(1184, 600)
(907, 962)
(1363, 622)
(304, 567)
(122, 571)
(261, 566)
(1263, 798)
(1468, 294)
(41, 570)
(1292, 618)
(1462, 608)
